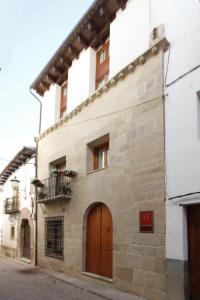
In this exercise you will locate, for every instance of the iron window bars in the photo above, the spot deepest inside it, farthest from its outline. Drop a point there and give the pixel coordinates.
(54, 237)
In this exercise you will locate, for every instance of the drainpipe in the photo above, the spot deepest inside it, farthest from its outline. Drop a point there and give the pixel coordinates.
(36, 175)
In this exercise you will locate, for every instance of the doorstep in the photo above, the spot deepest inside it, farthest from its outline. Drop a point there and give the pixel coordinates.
(97, 277)
(100, 290)
(26, 260)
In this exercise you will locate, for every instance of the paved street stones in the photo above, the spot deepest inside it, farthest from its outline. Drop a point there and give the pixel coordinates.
(20, 281)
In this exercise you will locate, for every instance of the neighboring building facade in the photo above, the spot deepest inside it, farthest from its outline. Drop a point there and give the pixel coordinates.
(17, 206)
(111, 113)
(182, 150)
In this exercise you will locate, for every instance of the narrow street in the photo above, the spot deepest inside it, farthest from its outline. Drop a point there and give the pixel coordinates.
(20, 281)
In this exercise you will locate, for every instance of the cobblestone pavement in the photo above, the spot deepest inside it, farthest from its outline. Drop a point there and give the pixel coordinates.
(20, 281)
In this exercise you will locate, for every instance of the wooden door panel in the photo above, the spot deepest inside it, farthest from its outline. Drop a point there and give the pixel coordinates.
(93, 241)
(99, 241)
(26, 241)
(194, 251)
(106, 243)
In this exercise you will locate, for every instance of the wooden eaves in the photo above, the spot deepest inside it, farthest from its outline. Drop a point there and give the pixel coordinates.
(92, 30)
(25, 154)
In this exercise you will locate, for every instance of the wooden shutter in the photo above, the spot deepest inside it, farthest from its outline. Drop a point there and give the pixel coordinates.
(63, 100)
(102, 69)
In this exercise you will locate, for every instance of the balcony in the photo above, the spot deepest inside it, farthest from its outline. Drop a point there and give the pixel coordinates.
(11, 205)
(53, 188)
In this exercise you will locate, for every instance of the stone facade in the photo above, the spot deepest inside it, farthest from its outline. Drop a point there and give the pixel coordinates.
(8, 251)
(131, 112)
(17, 251)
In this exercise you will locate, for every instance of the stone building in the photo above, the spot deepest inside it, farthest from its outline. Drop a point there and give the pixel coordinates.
(17, 206)
(116, 111)
(107, 223)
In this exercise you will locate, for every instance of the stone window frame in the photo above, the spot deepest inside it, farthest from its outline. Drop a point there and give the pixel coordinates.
(101, 143)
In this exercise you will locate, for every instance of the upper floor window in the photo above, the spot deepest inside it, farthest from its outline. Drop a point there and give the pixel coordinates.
(63, 100)
(102, 65)
(101, 156)
(98, 154)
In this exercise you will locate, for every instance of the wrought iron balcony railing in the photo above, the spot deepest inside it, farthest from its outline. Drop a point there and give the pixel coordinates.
(11, 205)
(54, 188)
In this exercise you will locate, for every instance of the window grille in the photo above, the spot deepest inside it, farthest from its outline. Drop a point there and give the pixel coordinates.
(54, 237)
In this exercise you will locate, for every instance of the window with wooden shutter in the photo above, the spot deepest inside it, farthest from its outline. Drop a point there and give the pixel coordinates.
(101, 156)
(102, 65)
(63, 100)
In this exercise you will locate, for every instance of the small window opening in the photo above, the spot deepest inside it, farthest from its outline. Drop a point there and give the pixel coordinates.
(98, 154)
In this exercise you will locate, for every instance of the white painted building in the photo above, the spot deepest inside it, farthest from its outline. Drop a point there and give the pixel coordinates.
(17, 206)
(131, 34)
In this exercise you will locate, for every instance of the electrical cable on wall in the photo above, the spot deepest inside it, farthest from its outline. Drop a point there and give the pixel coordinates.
(117, 111)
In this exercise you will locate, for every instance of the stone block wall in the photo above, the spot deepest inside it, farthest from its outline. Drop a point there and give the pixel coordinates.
(8, 251)
(131, 113)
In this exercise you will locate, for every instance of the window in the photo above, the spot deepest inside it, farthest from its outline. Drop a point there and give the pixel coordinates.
(12, 232)
(54, 236)
(102, 65)
(102, 81)
(63, 100)
(101, 156)
(98, 154)
(59, 163)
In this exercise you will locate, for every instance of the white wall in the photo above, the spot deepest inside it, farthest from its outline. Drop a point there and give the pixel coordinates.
(129, 34)
(24, 175)
(182, 26)
(176, 229)
(182, 140)
(81, 78)
(50, 107)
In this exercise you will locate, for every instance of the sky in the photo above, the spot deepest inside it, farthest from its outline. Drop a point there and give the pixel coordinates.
(30, 33)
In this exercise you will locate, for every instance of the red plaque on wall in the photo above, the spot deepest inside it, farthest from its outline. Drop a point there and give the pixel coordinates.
(147, 221)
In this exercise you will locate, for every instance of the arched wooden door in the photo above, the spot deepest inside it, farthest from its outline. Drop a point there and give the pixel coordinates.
(99, 241)
(25, 239)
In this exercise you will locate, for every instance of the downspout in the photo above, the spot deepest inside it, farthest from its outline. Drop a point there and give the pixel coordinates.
(36, 175)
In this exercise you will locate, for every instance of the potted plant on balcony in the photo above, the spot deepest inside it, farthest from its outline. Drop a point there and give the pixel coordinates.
(69, 173)
(64, 188)
(55, 172)
(39, 188)
(37, 183)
